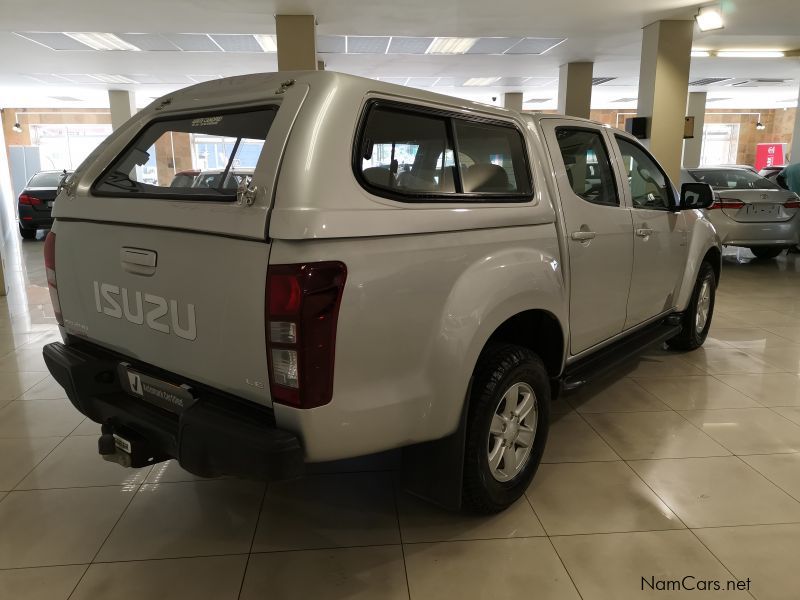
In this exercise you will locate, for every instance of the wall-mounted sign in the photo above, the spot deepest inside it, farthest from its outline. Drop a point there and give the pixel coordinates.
(770, 155)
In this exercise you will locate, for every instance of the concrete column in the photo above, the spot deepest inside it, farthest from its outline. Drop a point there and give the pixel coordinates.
(663, 87)
(575, 89)
(297, 42)
(513, 101)
(693, 148)
(123, 107)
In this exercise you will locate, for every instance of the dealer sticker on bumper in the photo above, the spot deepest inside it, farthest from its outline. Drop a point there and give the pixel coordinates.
(171, 397)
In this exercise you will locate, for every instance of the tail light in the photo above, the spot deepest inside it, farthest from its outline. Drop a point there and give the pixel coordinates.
(50, 269)
(301, 314)
(730, 203)
(30, 200)
(792, 203)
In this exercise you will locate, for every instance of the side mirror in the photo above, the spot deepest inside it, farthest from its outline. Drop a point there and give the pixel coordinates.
(696, 195)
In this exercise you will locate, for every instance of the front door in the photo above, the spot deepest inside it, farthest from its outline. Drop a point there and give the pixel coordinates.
(659, 235)
(598, 231)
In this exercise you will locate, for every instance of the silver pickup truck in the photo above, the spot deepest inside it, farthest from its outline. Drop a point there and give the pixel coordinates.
(401, 270)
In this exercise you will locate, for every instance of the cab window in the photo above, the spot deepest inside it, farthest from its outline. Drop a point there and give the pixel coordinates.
(587, 165)
(650, 187)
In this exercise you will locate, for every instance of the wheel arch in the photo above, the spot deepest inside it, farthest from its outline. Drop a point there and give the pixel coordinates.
(537, 330)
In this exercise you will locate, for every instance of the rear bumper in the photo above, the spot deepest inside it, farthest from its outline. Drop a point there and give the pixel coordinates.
(734, 233)
(217, 435)
(30, 218)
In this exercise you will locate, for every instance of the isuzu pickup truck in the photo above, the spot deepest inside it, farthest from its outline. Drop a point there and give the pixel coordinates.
(401, 270)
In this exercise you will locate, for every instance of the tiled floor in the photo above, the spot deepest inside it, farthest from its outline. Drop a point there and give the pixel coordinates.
(684, 465)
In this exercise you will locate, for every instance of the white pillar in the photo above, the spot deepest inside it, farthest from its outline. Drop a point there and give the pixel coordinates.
(123, 107)
(693, 147)
(297, 42)
(575, 89)
(513, 101)
(663, 87)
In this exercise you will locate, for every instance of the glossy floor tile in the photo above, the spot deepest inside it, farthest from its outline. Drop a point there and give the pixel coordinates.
(767, 555)
(629, 566)
(611, 494)
(718, 491)
(203, 578)
(596, 498)
(480, 568)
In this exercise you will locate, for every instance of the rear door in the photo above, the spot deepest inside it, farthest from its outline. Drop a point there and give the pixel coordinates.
(598, 229)
(175, 276)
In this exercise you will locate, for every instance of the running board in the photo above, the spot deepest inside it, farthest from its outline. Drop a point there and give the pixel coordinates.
(614, 355)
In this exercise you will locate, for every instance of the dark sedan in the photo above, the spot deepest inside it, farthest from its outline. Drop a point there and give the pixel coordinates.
(36, 201)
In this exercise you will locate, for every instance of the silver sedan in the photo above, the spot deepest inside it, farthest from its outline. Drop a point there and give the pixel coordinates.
(749, 210)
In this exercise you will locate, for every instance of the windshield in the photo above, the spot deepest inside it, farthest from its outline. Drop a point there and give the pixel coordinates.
(49, 179)
(160, 160)
(732, 179)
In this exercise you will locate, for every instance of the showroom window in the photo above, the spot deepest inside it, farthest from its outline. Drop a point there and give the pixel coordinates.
(199, 157)
(587, 165)
(649, 186)
(409, 155)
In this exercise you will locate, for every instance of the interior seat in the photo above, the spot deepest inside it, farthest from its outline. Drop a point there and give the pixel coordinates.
(486, 177)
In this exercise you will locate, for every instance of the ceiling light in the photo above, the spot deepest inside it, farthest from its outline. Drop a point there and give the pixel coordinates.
(750, 54)
(450, 45)
(700, 53)
(709, 18)
(105, 78)
(102, 41)
(267, 42)
(17, 128)
(481, 81)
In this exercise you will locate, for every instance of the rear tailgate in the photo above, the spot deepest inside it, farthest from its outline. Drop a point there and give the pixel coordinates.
(172, 276)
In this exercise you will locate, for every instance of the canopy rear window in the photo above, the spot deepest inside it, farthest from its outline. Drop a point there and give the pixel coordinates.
(199, 157)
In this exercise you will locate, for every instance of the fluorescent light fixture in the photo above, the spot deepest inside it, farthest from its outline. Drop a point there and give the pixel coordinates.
(267, 42)
(700, 53)
(709, 18)
(450, 45)
(751, 54)
(481, 81)
(102, 41)
(106, 78)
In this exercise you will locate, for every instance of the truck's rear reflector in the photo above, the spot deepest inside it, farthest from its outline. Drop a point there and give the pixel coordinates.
(50, 270)
(302, 310)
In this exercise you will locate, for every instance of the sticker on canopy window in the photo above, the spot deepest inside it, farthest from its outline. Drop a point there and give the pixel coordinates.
(206, 121)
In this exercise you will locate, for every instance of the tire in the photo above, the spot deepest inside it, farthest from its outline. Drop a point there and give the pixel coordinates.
(765, 252)
(501, 368)
(27, 234)
(692, 335)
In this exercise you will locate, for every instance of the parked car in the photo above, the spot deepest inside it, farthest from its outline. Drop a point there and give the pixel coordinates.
(333, 307)
(184, 178)
(36, 201)
(210, 178)
(774, 174)
(750, 211)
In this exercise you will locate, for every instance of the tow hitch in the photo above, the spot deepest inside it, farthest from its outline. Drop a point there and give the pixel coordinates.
(127, 448)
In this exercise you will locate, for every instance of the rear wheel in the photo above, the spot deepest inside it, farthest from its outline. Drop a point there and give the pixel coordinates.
(27, 234)
(697, 318)
(765, 252)
(509, 415)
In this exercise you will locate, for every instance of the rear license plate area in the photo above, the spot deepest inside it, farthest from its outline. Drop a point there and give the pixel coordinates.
(171, 397)
(761, 210)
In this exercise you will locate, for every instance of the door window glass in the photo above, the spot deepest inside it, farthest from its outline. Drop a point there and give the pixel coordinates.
(587, 164)
(649, 186)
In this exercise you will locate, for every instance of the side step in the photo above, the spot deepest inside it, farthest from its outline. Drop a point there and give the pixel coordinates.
(612, 356)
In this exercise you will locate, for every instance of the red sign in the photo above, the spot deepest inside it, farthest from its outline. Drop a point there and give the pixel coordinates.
(770, 155)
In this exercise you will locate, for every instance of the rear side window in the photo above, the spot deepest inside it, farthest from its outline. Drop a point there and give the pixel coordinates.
(587, 165)
(198, 157)
(409, 155)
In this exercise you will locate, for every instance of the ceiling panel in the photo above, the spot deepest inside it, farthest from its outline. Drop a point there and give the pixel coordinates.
(331, 44)
(535, 45)
(148, 41)
(192, 42)
(55, 41)
(409, 45)
(366, 44)
(237, 43)
(493, 45)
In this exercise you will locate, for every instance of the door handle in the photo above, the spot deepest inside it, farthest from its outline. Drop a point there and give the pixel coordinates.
(138, 260)
(582, 236)
(644, 232)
